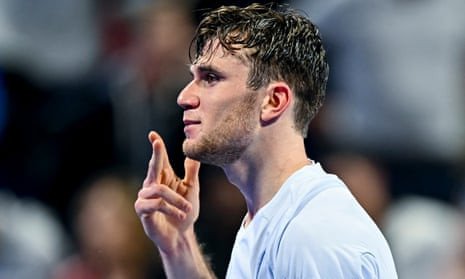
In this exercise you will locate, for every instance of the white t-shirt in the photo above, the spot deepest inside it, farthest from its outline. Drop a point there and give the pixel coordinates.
(312, 228)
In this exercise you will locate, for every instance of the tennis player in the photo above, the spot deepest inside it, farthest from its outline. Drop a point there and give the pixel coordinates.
(259, 77)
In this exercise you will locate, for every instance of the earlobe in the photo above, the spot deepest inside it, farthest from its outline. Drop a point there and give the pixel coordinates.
(276, 101)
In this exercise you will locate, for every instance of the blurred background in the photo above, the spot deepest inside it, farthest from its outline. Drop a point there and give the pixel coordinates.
(82, 83)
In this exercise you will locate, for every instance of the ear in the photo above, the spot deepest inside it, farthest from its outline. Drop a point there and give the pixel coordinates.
(277, 100)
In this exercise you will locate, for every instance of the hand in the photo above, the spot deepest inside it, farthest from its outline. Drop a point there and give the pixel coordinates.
(167, 205)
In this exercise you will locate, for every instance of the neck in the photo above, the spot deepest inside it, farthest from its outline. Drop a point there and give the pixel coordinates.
(259, 177)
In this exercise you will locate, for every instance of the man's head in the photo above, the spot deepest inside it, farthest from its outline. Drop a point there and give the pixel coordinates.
(278, 45)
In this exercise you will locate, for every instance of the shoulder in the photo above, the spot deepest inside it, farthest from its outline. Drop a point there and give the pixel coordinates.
(330, 236)
(325, 233)
(322, 255)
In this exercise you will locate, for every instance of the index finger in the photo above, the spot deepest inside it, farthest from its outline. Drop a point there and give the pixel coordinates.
(155, 164)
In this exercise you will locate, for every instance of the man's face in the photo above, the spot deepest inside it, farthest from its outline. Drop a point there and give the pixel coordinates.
(221, 114)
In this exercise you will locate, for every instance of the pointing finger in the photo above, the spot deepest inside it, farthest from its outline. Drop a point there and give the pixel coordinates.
(155, 164)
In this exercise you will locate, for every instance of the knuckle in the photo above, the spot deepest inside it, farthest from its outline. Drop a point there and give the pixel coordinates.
(146, 181)
(158, 189)
(138, 206)
(144, 206)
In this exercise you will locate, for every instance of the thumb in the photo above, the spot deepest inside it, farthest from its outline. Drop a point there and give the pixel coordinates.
(191, 168)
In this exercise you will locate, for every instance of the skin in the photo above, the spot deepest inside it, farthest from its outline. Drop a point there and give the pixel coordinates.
(222, 126)
(257, 152)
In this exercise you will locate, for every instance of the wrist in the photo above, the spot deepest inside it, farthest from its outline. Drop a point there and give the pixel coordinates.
(181, 244)
(185, 259)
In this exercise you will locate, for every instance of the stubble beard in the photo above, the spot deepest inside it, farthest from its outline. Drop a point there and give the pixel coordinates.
(227, 142)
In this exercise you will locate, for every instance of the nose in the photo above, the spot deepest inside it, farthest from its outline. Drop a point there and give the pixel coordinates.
(187, 98)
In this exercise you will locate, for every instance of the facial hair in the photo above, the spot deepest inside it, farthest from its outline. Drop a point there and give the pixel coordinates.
(230, 138)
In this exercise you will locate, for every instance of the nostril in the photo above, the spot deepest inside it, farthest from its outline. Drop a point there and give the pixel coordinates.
(188, 101)
(185, 106)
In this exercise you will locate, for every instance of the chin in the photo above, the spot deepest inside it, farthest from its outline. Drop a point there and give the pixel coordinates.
(190, 149)
(217, 155)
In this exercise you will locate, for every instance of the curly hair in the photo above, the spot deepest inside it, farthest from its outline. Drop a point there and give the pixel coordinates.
(280, 44)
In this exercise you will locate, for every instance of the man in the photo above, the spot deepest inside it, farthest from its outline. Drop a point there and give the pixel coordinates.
(259, 76)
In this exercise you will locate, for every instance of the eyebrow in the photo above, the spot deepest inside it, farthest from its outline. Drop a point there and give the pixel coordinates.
(202, 68)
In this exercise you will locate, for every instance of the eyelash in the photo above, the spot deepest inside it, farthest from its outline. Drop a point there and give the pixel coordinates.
(210, 78)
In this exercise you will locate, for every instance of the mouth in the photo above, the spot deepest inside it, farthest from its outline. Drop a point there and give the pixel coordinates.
(188, 122)
(189, 127)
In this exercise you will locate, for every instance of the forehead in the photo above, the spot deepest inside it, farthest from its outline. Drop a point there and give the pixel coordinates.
(214, 53)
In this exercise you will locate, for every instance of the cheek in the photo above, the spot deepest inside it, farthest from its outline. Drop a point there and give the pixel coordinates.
(224, 107)
(211, 121)
(213, 113)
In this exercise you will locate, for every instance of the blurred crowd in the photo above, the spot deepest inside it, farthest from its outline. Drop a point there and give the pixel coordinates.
(83, 82)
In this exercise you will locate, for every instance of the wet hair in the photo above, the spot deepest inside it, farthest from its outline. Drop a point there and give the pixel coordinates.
(278, 43)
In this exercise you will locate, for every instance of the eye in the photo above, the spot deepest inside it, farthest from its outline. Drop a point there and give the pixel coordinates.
(210, 78)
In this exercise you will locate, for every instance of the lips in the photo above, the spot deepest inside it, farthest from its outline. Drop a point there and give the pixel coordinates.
(188, 122)
(189, 127)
